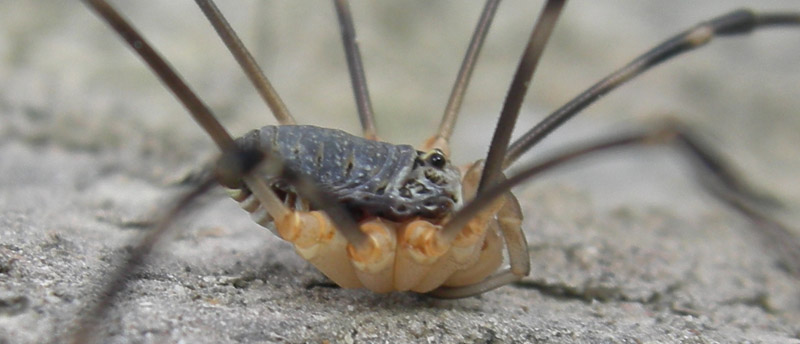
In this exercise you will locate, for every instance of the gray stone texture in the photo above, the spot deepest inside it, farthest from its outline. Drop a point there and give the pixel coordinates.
(624, 248)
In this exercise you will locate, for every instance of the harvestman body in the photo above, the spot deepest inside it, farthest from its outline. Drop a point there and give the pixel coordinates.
(395, 218)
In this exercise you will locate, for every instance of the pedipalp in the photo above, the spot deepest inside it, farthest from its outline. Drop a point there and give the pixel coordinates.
(493, 206)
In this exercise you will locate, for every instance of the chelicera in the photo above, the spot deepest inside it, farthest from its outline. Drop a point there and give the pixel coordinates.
(370, 214)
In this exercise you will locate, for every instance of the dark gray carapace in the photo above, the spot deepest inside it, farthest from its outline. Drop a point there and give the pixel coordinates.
(371, 178)
(398, 182)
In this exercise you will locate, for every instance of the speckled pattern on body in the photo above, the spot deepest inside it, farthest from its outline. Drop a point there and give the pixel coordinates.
(369, 177)
(624, 248)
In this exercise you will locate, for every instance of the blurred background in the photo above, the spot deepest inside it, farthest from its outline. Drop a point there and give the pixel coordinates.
(90, 142)
(67, 80)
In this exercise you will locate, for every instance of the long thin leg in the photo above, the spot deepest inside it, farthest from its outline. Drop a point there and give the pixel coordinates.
(203, 115)
(774, 235)
(465, 214)
(231, 167)
(199, 110)
(441, 139)
(723, 173)
(777, 235)
(711, 165)
(85, 328)
(246, 61)
(356, 68)
(735, 23)
(517, 90)
(231, 154)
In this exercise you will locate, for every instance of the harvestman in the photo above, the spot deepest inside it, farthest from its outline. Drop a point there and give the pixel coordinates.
(422, 227)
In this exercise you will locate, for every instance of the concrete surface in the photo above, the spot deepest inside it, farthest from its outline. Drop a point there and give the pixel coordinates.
(624, 249)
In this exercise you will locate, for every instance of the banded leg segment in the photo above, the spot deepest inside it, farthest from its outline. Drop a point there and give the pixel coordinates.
(236, 168)
(441, 139)
(735, 23)
(239, 167)
(718, 178)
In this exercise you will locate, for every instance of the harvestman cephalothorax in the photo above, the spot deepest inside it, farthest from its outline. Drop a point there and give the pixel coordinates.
(387, 217)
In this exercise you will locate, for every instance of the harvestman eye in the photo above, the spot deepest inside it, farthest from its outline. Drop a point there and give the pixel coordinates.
(415, 253)
(437, 160)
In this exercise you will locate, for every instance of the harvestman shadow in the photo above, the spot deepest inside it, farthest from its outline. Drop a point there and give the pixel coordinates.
(237, 165)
